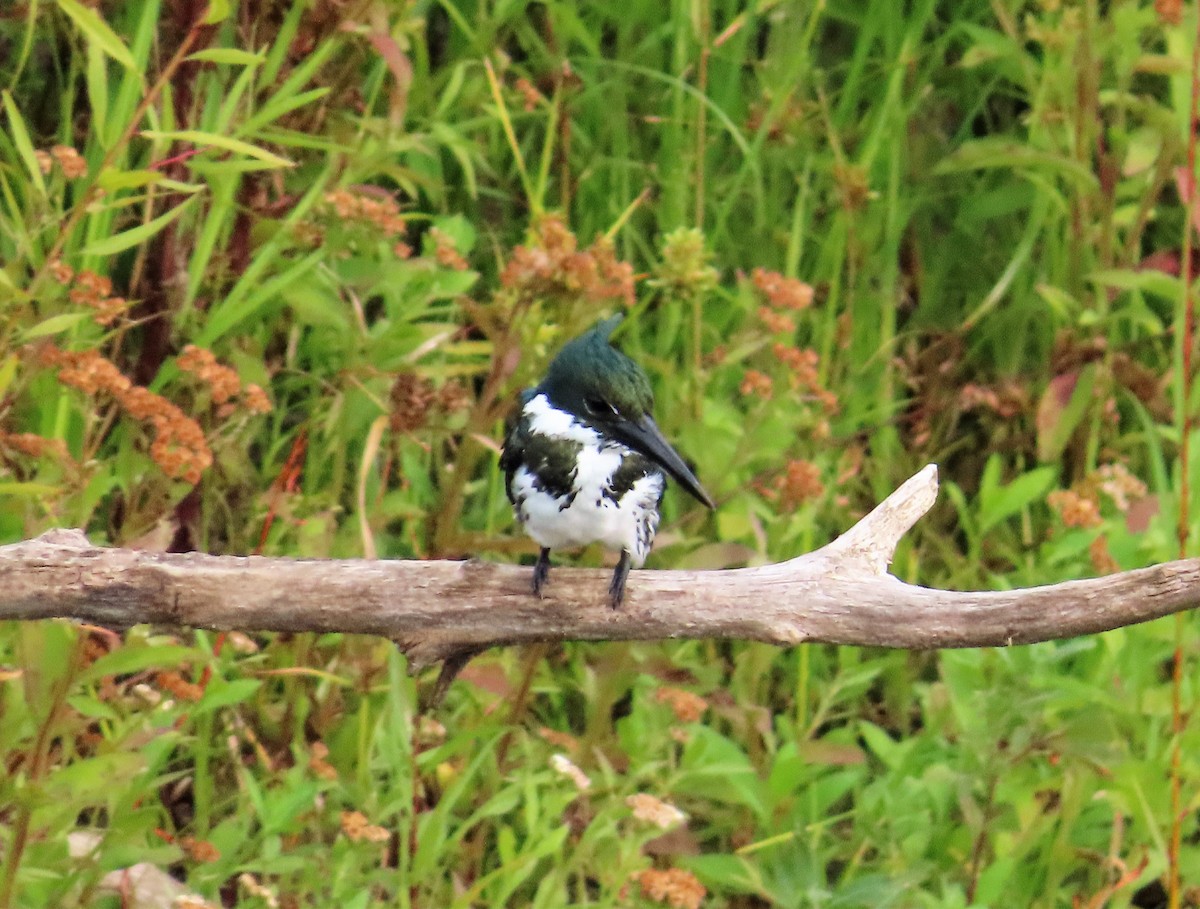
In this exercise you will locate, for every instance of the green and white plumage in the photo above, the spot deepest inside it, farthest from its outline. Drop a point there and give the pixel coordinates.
(584, 461)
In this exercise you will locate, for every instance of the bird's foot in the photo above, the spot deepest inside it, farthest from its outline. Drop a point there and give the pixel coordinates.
(616, 590)
(541, 571)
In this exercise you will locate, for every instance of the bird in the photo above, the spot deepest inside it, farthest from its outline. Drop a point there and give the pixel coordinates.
(584, 462)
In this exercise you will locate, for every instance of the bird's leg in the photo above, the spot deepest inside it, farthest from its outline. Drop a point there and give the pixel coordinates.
(541, 571)
(616, 590)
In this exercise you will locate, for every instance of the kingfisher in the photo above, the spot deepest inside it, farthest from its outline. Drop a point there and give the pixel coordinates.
(584, 462)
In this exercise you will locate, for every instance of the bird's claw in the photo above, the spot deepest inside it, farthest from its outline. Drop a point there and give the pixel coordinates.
(541, 571)
(616, 590)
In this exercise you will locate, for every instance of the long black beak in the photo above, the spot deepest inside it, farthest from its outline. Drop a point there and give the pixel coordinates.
(645, 436)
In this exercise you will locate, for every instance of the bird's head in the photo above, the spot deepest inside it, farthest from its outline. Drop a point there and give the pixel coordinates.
(608, 391)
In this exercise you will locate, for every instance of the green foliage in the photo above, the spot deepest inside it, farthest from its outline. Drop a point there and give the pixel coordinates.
(270, 281)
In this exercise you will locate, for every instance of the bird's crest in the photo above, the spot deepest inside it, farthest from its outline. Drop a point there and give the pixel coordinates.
(589, 371)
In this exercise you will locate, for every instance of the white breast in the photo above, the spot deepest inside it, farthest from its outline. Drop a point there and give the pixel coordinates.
(588, 515)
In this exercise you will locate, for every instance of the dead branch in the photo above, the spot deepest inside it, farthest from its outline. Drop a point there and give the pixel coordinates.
(441, 610)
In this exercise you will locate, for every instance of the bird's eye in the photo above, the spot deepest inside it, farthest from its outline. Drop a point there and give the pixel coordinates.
(598, 407)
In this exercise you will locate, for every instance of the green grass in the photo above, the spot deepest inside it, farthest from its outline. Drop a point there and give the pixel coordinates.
(981, 198)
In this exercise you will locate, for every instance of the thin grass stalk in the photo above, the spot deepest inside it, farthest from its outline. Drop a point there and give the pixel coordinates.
(534, 200)
(1178, 718)
(90, 194)
(704, 27)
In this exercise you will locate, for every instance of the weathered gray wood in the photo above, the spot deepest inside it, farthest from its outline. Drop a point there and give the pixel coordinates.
(439, 609)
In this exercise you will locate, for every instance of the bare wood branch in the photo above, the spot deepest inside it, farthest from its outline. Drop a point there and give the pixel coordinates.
(440, 609)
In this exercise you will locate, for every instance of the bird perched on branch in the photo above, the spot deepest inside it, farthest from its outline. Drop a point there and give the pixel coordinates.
(584, 461)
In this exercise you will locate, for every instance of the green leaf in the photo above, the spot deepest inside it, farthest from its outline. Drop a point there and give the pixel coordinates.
(231, 55)
(237, 146)
(729, 873)
(55, 324)
(20, 135)
(718, 768)
(112, 179)
(277, 107)
(222, 693)
(1147, 280)
(133, 658)
(27, 489)
(92, 707)
(233, 309)
(97, 31)
(1002, 153)
(135, 236)
(92, 780)
(218, 11)
(97, 88)
(1000, 501)
(8, 370)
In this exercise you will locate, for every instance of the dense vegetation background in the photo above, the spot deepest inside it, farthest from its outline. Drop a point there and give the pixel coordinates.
(272, 272)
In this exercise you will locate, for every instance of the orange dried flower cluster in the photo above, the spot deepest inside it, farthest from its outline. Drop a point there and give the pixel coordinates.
(72, 163)
(1079, 506)
(800, 482)
(34, 446)
(91, 290)
(177, 686)
(1170, 12)
(453, 397)
(1116, 482)
(199, 850)
(318, 763)
(223, 382)
(1007, 401)
(379, 211)
(60, 271)
(553, 265)
(687, 707)
(413, 397)
(654, 810)
(801, 363)
(179, 447)
(356, 826)
(674, 886)
(804, 375)
(68, 159)
(1074, 509)
(256, 399)
(782, 292)
(445, 251)
(777, 323)
(530, 96)
(757, 384)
